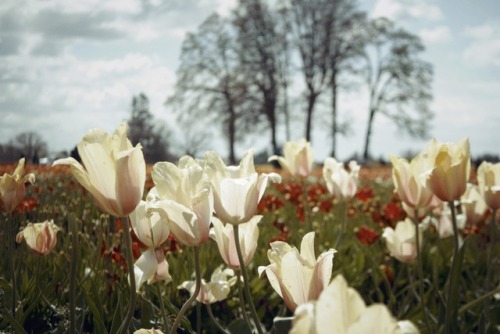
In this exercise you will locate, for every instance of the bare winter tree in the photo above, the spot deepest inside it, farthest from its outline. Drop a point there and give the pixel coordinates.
(310, 21)
(346, 48)
(398, 80)
(209, 84)
(262, 48)
(31, 145)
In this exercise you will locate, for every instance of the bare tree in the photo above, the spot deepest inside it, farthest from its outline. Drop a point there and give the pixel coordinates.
(209, 85)
(31, 145)
(261, 47)
(399, 82)
(312, 30)
(346, 47)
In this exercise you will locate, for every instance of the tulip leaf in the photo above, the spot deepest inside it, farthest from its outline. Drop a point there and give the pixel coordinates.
(12, 321)
(239, 326)
(117, 317)
(97, 319)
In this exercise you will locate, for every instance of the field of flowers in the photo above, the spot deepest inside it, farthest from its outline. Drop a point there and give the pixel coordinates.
(71, 273)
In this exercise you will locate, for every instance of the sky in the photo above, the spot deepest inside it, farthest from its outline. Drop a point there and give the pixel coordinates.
(69, 66)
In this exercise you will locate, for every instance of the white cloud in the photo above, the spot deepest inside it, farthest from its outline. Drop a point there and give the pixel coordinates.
(484, 49)
(396, 9)
(224, 7)
(441, 34)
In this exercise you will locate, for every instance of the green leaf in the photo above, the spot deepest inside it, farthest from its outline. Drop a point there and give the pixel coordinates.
(101, 328)
(13, 322)
(239, 326)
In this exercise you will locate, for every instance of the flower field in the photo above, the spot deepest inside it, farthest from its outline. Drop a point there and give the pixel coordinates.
(75, 278)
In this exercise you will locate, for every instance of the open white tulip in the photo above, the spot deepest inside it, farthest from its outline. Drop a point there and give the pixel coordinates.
(237, 189)
(12, 187)
(216, 290)
(224, 236)
(401, 241)
(113, 171)
(183, 199)
(341, 310)
(298, 277)
(40, 237)
(298, 158)
(339, 181)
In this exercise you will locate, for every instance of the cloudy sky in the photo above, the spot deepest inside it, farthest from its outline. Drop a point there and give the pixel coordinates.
(68, 66)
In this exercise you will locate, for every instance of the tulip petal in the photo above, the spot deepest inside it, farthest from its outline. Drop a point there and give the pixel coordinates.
(307, 248)
(130, 179)
(376, 319)
(322, 274)
(296, 277)
(145, 267)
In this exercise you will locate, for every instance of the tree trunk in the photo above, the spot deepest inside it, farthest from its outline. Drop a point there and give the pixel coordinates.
(368, 135)
(310, 108)
(274, 144)
(232, 136)
(334, 114)
(285, 110)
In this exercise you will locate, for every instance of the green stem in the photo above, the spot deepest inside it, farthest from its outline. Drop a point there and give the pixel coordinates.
(490, 264)
(242, 299)
(216, 323)
(420, 272)
(307, 212)
(193, 297)
(245, 279)
(451, 316)
(162, 308)
(72, 273)
(10, 248)
(343, 216)
(478, 300)
(130, 264)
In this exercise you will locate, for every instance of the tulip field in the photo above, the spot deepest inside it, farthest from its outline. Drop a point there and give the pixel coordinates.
(363, 269)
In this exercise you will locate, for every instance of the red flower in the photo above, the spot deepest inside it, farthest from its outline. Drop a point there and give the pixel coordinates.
(366, 235)
(393, 212)
(270, 203)
(365, 194)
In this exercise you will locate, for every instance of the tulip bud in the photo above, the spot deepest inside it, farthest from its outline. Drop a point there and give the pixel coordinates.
(409, 182)
(473, 204)
(40, 237)
(450, 169)
(488, 177)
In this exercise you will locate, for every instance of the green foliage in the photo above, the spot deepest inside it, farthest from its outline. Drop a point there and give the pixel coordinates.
(289, 210)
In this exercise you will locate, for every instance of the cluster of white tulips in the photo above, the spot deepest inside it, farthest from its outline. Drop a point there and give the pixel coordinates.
(202, 201)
